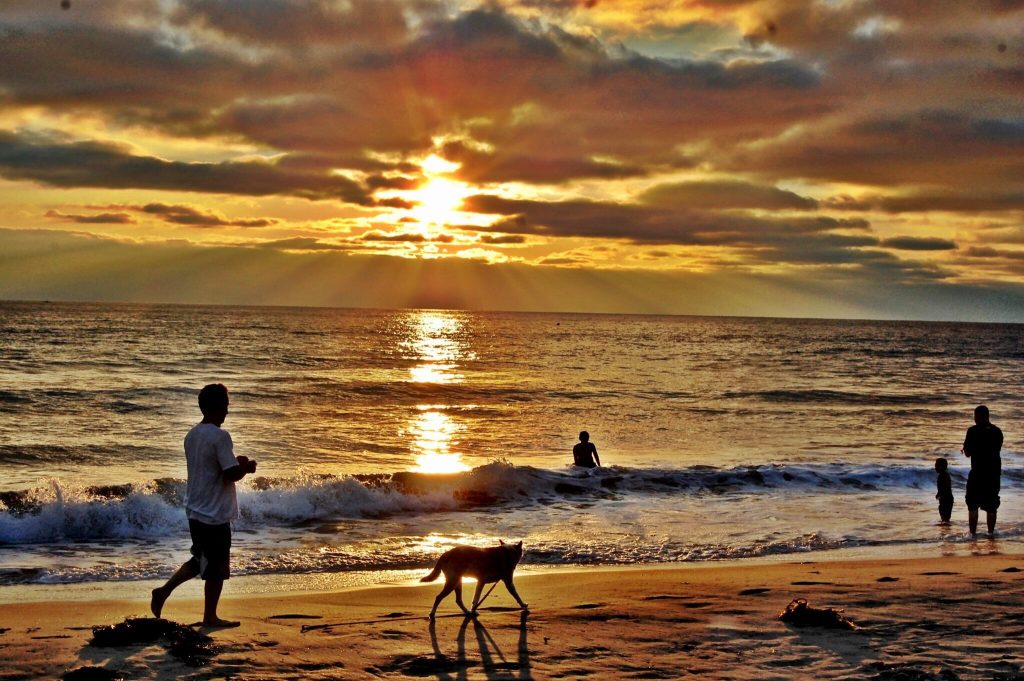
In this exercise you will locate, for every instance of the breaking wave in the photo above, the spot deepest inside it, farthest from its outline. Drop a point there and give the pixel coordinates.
(60, 511)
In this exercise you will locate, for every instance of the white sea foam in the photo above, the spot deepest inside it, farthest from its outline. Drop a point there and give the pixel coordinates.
(59, 512)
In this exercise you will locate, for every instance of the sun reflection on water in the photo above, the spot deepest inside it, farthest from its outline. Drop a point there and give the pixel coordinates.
(433, 433)
(434, 342)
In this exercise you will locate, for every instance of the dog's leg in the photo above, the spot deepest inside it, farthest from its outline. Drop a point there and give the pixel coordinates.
(476, 596)
(448, 588)
(458, 597)
(512, 590)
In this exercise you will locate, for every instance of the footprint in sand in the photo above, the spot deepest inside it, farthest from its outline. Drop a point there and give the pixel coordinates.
(589, 606)
(665, 597)
(939, 573)
(1011, 569)
(888, 579)
(755, 591)
(294, 616)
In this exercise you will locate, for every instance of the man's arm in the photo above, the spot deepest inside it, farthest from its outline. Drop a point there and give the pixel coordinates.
(596, 457)
(240, 470)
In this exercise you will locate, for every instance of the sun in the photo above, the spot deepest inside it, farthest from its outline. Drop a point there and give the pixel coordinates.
(438, 199)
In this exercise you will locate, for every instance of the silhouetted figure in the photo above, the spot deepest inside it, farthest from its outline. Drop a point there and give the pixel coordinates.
(584, 453)
(210, 504)
(982, 445)
(945, 489)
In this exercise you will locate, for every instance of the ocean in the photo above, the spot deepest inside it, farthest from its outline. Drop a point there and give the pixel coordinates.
(386, 436)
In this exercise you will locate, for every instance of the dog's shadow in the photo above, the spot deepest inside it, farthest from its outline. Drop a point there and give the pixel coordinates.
(495, 665)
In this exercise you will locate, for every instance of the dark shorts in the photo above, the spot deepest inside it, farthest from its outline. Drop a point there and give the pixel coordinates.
(983, 490)
(211, 549)
(945, 508)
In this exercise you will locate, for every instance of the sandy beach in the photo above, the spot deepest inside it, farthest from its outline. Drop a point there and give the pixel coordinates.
(939, 618)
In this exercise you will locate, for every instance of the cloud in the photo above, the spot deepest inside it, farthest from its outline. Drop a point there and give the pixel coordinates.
(479, 166)
(393, 182)
(96, 219)
(564, 104)
(647, 224)
(301, 243)
(298, 23)
(951, 201)
(54, 160)
(937, 147)
(713, 194)
(180, 214)
(910, 243)
(398, 237)
(498, 239)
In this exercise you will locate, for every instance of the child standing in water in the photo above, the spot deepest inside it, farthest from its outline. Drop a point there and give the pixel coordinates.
(945, 490)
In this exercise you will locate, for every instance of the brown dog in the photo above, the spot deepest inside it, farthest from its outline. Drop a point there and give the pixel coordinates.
(486, 565)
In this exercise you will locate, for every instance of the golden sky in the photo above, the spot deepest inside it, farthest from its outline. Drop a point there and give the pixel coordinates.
(804, 158)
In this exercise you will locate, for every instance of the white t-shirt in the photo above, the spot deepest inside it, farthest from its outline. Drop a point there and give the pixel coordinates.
(209, 498)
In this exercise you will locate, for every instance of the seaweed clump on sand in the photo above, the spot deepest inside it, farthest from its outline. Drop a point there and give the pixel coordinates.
(92, 674)
(800, 614)
(192, 647)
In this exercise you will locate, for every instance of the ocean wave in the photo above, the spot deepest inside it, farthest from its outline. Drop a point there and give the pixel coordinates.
(820, 396)
(59, 511)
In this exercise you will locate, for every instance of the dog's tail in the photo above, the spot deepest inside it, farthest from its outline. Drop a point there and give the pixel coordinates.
(434, 574)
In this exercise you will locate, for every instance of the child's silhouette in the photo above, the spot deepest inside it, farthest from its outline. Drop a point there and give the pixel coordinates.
(945, 490)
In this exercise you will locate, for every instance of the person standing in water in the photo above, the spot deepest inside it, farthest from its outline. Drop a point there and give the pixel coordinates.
(210, 504)
(944, 485)
(584, 453)
(982, 445)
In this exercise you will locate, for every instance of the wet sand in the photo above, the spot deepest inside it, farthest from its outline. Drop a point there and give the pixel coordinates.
(938, 618)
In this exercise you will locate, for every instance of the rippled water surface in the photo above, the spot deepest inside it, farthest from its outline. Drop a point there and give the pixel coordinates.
(721, 437)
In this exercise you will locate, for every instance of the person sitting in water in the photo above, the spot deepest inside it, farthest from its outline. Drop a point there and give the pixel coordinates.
(584, 453)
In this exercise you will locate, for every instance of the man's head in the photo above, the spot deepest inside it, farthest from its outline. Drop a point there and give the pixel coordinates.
(584, 436)
(213, 402)
(941, 465)
(981, 414)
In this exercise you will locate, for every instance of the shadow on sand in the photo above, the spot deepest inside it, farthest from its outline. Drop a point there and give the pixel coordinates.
(492, 659)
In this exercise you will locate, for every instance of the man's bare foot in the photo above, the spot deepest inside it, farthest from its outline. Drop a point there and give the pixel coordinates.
(220, 624)
(156, 602)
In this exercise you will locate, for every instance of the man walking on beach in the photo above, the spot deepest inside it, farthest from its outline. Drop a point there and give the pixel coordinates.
(982, 446)
(210, 504)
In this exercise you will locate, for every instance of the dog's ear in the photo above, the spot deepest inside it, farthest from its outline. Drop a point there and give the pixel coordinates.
(501, 542)
(520, 545)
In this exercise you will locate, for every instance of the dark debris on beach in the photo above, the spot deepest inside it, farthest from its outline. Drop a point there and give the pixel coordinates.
(800, 614)
(192, 647)
(92, 674)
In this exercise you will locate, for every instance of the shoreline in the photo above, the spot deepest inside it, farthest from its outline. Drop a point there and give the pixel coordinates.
(954, 613)
(279, 584)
